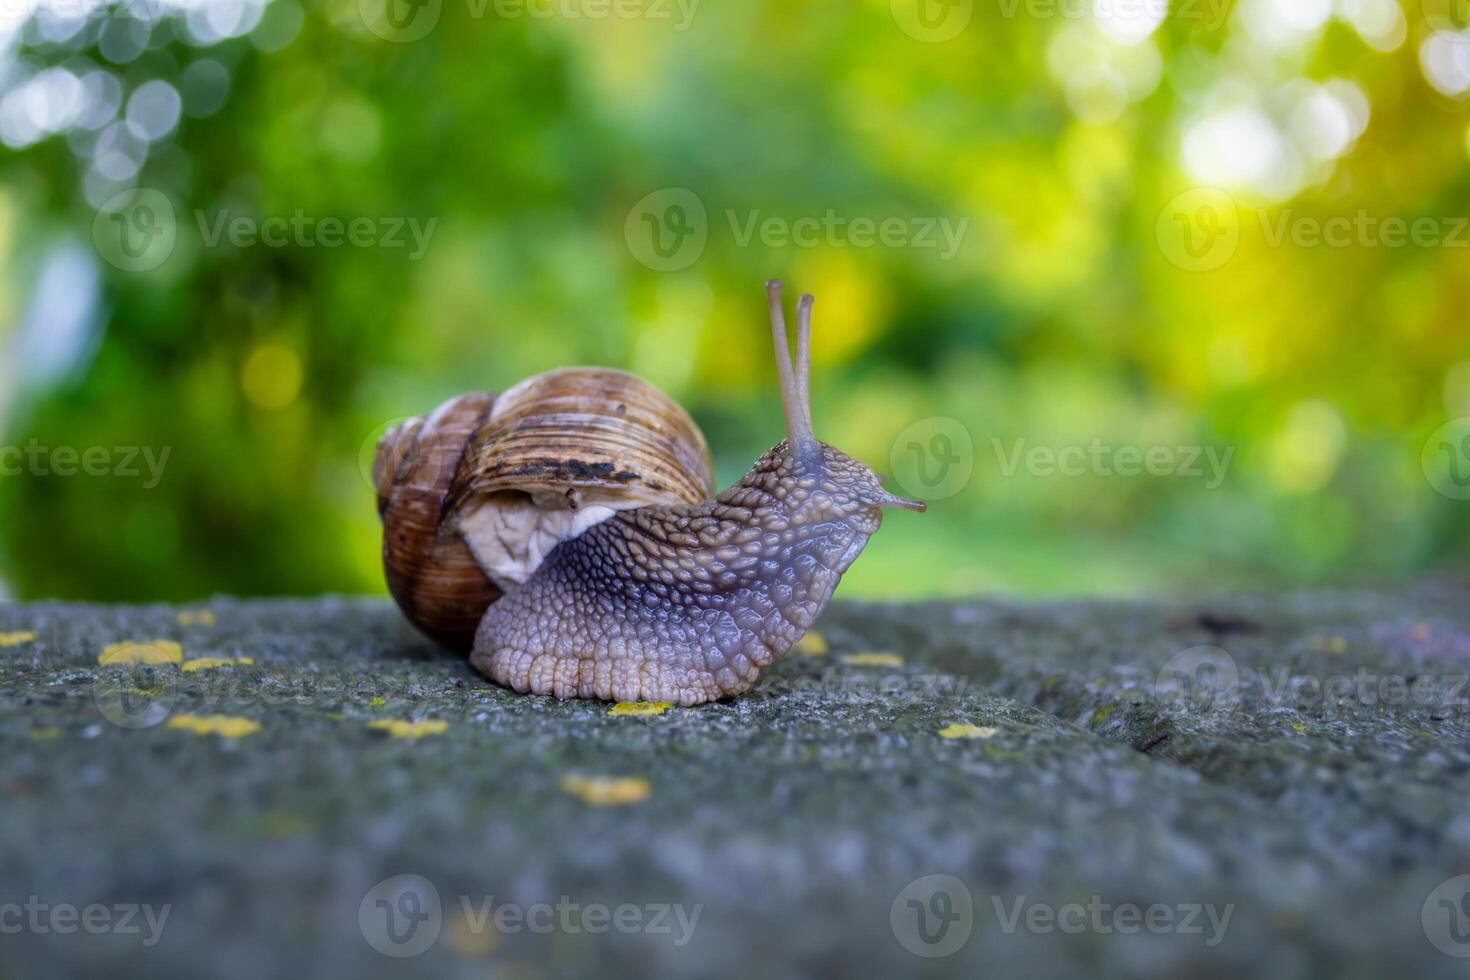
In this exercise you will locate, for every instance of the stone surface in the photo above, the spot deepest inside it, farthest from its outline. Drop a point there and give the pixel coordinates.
(1302, 767)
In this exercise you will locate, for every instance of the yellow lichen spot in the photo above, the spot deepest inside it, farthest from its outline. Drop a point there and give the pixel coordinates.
(151, 652)
(959, 730)
(639, 708)
(280, 824)
(16, 639)
(1297, 726)
(1329, 644)
(202, 617)
(873, 660)
(607, 790)
(224, 726)
(813, 644)
(471, 937)
(43, 732)
(209, 663)
(399, 728)
(378, 702)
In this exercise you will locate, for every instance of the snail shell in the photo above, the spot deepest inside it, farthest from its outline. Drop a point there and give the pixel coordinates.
(475, 496)
(434, 577)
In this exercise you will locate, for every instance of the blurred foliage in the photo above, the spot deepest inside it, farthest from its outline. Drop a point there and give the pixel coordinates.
(1063, 317)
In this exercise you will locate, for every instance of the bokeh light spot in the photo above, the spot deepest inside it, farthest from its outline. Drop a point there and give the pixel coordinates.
(272, 376)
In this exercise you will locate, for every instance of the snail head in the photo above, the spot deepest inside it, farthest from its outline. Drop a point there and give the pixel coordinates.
(820, 481)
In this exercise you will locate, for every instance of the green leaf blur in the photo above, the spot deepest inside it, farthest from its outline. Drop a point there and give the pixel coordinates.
(1004, 230)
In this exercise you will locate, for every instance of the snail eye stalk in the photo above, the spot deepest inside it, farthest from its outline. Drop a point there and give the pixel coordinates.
(795, 378)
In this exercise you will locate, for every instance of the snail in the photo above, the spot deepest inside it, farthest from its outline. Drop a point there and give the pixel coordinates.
(566, 532)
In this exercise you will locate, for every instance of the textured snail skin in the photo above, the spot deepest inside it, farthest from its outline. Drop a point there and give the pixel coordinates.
(687, 603)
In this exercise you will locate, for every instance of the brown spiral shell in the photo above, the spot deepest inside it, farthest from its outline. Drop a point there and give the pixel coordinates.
(594, 431)
(516, 473)
(432, 575)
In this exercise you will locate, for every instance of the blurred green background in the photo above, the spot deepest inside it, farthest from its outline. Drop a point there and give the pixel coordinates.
(1129, 190)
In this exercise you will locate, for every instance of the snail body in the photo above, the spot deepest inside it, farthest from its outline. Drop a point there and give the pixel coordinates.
(616, 574)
